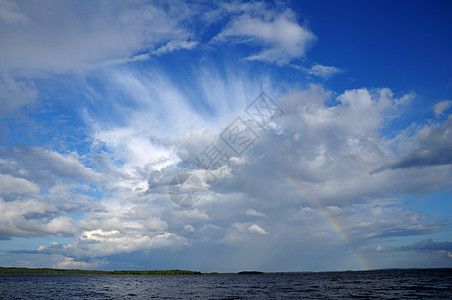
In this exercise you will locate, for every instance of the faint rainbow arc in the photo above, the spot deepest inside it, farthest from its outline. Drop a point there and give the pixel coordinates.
(332, 223)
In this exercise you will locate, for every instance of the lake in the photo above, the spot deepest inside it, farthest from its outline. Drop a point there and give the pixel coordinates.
(384, 284)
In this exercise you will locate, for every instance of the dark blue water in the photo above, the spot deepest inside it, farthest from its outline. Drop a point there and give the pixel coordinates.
(398, 284)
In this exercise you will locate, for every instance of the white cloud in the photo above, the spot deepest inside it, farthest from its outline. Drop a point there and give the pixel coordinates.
(15, 93)
(61, 224)
(189, 228)
(10, 184)
(139, 145)
(121, 216)
(22, 218)
(281, 37)
(252, 212)
(155, 224)
(143, 151)
(327, 151)
(327, 154)
(175, 45)
(333, 209)
(192, 214)
(85, 37)
(99, 243)
(441, 107)
(10, 13)
(256, 229)
(324, 71)
(43, 166)
(243, 234)
(320, 70)
(430, 145)
(40, 188)
(317, 159)
(70, 263)
(134, 150)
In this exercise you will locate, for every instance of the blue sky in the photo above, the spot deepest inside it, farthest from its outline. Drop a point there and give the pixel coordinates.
(103, 103)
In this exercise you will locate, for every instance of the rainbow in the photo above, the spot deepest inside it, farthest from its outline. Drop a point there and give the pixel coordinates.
(332, 223)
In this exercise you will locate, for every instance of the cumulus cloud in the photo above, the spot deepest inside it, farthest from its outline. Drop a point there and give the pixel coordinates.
(122, 219)
(243, 234)
(100, 243)
(70, 263)
(256, 229)
(43, 166)
(10, 184)
(40, 188)
(327, 150)
(61, 224)
(33, 218)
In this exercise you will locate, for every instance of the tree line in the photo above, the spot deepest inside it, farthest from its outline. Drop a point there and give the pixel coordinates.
(50, 271)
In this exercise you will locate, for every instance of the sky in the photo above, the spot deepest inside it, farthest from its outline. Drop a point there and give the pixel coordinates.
(316, 135)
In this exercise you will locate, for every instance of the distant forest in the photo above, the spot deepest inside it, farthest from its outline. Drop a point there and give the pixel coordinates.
(49, 271)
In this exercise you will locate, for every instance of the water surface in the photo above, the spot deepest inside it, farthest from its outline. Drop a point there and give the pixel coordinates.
(388, 284)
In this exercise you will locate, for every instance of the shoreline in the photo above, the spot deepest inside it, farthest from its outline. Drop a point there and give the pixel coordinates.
(52, 271)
